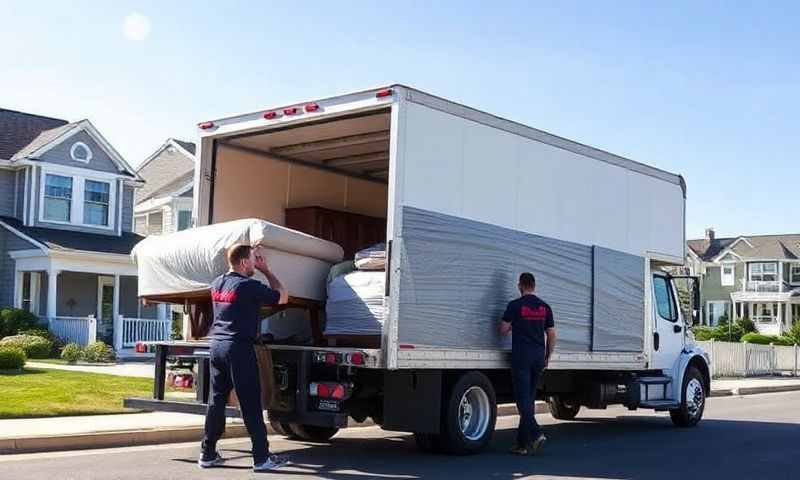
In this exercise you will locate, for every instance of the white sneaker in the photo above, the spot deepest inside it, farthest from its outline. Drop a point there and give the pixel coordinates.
(215, 462)
(273, 462)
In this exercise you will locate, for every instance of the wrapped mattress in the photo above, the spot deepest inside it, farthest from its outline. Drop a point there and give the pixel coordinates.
(187, 261)
(355, 304)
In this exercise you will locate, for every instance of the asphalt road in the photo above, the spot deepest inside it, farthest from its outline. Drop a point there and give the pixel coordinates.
(741, 437)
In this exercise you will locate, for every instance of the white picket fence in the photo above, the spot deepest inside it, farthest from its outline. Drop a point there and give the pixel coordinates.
(80, 330)
(730, 359)
(144, 330)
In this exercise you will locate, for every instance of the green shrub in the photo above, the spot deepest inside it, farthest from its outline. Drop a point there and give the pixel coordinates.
(98, 352)
(58, 343)
(760, 339)
(794, 332)
(72, 352)
(702, 334)
(12, 320)
(726, 332)
(12, 358)
(34, 347)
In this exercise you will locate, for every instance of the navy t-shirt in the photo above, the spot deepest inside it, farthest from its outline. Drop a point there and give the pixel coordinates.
(237, 301)
(529, 317)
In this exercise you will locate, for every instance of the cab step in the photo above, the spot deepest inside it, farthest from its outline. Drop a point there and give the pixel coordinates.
(653, 389)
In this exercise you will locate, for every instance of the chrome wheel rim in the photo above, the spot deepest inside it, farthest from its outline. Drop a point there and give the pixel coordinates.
(695, 397)
(473, 413)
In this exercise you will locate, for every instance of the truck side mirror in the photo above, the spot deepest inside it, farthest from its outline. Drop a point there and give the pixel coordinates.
(696, 300)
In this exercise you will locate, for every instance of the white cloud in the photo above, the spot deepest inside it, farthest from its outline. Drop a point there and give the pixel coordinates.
(136, 27)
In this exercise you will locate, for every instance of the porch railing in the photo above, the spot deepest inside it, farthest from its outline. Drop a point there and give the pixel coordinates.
(80, 330)
(759, 286)
(144, 330)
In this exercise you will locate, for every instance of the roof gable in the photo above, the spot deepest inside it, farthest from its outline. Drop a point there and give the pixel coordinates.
(755, 247)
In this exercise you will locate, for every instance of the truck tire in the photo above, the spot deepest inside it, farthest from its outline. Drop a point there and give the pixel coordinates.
(561, 410)
(283, 429)
(428, 442)
(469, 415)
(693, 400)
(313, 433)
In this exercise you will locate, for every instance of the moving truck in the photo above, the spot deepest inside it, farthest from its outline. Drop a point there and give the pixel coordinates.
(470, 200)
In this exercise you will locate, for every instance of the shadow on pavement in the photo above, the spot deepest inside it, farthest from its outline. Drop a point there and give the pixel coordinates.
(623, 447)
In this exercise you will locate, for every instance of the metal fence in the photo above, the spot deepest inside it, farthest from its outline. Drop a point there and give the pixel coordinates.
(748, 359)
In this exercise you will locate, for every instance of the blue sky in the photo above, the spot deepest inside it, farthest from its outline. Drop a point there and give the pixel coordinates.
(708, 91)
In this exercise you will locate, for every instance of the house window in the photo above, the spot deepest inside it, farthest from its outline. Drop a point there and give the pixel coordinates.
(718, 310)
(727, 270)
(57, 198)
(155, 223)
(95, 202)
(794, 273)
(765, 312)
(80, 152)
(140, 224)
(763, 272)
(664, 301)
(184, 219)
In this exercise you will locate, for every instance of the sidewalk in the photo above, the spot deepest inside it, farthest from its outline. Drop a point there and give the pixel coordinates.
(104, 431)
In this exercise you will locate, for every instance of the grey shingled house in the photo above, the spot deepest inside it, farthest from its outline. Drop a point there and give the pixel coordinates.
(757, 276)
(66, 231)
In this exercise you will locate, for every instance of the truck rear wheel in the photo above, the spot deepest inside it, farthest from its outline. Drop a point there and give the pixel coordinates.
(312, 433)
(693, 400)
(469, 416)
(562, 410)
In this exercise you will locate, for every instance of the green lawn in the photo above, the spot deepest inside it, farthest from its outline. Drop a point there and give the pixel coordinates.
(48, 393)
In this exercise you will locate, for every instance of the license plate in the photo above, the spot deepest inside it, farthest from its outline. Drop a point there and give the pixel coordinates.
(328, 405)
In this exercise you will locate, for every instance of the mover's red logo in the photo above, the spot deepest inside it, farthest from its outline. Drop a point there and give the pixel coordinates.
(223, 297)
(538, 313)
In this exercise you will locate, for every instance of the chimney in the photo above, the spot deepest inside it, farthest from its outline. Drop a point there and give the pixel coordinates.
(709, 236)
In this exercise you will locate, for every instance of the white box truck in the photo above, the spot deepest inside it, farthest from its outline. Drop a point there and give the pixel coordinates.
(470, 201)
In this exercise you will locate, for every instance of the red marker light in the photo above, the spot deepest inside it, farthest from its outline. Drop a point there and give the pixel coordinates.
(384, 93)
(357, 358)
(291, 111)
(206, 125)
(271, 115)
(312, 107)
(330, 358)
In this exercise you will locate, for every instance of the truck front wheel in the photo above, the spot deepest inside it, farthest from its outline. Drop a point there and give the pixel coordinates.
(469, 415)
(693, 400)
(562, 410)
(313, 433)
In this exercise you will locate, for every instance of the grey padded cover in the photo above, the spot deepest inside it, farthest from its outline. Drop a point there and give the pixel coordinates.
(457, 276)
(618, 301)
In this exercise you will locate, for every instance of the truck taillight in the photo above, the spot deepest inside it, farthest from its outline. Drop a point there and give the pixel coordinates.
(271, 115)
(291, 111)
(356, 358)
(336, 391)
(206, 125)
(312, 107)
(384, 93)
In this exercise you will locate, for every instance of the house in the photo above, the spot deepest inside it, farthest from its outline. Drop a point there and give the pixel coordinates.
(164, 203)
(755, 276)
(66, 221)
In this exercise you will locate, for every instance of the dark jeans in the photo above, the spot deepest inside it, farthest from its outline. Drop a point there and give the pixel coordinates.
(526, 366)
(233, 366)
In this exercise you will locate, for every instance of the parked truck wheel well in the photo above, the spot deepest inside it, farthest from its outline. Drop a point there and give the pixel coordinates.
(701, 365)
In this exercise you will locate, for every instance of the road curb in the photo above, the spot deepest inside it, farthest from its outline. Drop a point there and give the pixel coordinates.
(130, 438)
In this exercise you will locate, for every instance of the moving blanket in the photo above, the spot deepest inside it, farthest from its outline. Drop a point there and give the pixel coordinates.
(187, 261)
(457, 275)
(355, 304)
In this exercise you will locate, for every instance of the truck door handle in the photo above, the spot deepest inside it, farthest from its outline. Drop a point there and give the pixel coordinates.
(677, 328)
(655, 341)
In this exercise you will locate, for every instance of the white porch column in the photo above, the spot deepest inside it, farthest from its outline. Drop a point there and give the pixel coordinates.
(780, 276)
(116, 320)
(52, 289)
(18, 280)
(186, 328)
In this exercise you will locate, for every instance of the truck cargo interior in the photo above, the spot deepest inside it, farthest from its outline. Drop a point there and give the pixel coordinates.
(340, 164)
(327, 178)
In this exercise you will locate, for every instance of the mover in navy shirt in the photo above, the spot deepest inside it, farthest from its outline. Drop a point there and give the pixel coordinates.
(237, 300)
(530, 320)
